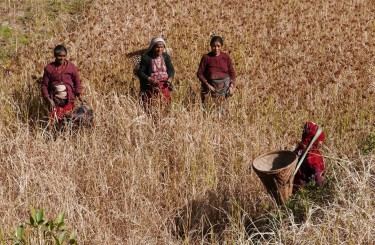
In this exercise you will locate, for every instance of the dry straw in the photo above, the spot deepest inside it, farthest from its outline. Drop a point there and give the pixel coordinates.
(186, 178)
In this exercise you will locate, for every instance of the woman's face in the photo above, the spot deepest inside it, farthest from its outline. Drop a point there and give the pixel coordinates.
(216, 48)
(158, 49)
(60, 57)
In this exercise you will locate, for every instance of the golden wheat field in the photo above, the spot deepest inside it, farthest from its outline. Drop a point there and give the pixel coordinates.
(187, 178)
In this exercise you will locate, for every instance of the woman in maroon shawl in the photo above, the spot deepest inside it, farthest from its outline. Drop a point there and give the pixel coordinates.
(61, 85)
(312, 168)
(216, 72)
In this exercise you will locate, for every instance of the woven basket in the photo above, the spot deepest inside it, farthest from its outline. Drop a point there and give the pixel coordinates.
(275, 170)
(135, 58)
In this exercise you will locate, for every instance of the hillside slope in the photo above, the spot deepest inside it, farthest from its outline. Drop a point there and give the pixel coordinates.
(182, 178)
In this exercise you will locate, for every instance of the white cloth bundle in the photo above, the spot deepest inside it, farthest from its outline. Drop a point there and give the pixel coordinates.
(60, 92)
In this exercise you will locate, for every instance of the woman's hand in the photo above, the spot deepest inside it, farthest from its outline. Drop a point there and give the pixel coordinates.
(210, 87)
(169, 84)
(153, 80)
(80, 99)
(320, 143)
(50, 101)
(231, 89)
(302, 146)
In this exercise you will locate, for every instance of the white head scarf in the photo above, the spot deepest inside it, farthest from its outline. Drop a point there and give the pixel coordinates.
(154, 41)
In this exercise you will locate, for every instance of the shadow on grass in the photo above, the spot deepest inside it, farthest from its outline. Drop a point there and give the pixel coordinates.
(218, 218)
(29, 106)
(294, 212)
(212, 218)
(203, 217)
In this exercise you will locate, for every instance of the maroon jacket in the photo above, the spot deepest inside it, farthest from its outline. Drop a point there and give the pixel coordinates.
(69, 77)
(216, 67)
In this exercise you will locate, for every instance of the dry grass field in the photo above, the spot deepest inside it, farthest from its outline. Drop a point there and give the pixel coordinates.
(186, 178)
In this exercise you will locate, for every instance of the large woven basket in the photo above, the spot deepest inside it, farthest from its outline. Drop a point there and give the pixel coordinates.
(135, 58)
(275, 170)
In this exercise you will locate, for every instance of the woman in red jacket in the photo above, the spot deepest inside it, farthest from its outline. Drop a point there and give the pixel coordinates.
(216, 72)
(312, 168)
(61, 85)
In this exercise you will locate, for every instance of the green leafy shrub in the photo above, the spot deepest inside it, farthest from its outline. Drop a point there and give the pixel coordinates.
(301, 202)
(43, 231)
(5, 32)
(368, 144)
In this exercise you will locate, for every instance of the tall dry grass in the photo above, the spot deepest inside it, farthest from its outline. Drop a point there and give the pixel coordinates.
(186, 178)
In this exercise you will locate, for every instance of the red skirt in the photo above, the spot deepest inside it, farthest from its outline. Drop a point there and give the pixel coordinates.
(59, 112)
(159, 94)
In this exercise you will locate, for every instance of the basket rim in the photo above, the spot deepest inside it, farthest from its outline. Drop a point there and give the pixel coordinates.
(275, 170)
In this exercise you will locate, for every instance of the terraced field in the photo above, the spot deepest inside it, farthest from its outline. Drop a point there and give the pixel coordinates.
(186, 178)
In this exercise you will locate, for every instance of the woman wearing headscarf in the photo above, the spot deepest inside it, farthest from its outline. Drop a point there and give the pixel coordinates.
(216, 71)
(155, 73)
(312, 168)
(61, 84)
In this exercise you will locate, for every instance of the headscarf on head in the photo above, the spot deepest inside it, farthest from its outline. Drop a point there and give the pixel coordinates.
(154, 41)
(309, 131)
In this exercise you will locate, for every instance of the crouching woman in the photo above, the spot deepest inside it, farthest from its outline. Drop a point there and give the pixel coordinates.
(312, 168)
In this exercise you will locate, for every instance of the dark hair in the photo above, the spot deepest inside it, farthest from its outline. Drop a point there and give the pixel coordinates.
(215, 39)
(58, 49)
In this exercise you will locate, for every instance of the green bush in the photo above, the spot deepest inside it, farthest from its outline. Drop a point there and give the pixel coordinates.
(368, 144)
(301, 202)
(5, 32)
(43, 231)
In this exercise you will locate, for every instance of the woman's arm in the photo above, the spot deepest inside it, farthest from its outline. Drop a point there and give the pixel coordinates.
(143, 67)
(170, 68)
(76, 82)
(45, 83)
(201, 71)
(144, 71)
(232, 73)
